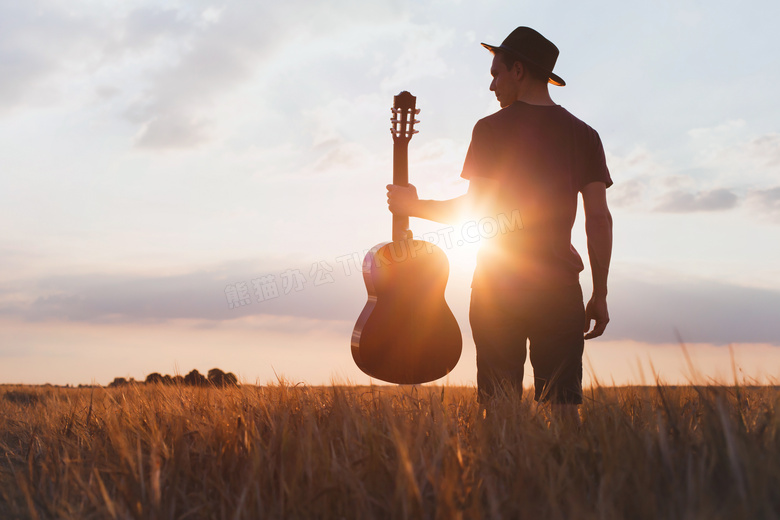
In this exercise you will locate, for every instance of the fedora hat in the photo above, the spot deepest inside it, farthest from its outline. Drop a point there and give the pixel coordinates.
(531, 47)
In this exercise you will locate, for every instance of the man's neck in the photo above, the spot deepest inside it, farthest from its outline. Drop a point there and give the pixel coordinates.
(536, 94)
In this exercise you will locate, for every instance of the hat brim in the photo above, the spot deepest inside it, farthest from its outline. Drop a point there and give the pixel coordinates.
(551, 76)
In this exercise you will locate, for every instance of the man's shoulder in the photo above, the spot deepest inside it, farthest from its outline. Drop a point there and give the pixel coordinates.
(497, 122)
(518, 113)
(578, 123)
(504, 114)
(522, 117)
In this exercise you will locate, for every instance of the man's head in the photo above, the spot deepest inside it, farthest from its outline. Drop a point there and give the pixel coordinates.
(536, 53)
(514, 79)
(535, 73)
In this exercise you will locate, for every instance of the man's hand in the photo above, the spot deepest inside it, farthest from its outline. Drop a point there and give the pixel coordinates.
(401, 200)
(596, 310)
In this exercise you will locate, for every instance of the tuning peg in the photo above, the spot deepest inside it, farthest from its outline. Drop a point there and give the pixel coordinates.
(417, 111)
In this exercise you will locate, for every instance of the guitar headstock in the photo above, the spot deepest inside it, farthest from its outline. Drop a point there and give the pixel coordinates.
(403, 117)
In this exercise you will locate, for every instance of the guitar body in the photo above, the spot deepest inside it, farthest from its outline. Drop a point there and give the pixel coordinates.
(406, 333)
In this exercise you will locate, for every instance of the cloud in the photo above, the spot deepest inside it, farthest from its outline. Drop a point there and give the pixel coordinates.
(718, 134)
(765, 149)
(344, 156)
(636, 175)
(731, 154)
(173, 66)
(36, 42)
(720, 166)
(627, 193)
(679, 201)
(421, 56)
(43, 45)
(649, 311)
(145, 26)
(173, 130)
(299, 289)
(637, 162)
(343, 118)
(766, 201)
(243, 43)
(701, 311)
(218, 53)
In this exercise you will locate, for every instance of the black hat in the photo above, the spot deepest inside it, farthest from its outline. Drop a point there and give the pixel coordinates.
(531, 47)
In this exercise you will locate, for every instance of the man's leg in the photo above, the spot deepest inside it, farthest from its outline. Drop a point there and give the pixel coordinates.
(556, 349)
(500, 340)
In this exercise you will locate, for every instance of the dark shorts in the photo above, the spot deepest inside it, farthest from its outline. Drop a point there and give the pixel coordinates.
(551, 321)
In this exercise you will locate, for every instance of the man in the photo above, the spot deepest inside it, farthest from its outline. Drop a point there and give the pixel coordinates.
(534, 157)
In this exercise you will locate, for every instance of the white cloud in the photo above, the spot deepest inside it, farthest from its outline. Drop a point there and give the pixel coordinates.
(735, 154)
(173, 130)
(421, 57)
(173, 64)
(38, 41)
(342, 157)
(766, 202)
(712, 171)
(648, 310)
(633, 173)
(199, 295)
(718, 134)
(764, 150)
(679, 201)
(626, 194)
(345, 119)
(702, 311)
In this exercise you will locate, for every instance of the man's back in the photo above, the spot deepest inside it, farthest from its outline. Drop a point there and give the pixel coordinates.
(541, 156)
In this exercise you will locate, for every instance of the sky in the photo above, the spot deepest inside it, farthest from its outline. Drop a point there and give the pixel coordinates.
(190, 185)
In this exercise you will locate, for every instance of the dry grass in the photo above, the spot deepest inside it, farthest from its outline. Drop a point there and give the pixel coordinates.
(357, 452)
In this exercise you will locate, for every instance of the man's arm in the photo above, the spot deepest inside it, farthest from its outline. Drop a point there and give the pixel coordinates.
(598, 227)
(403, 200)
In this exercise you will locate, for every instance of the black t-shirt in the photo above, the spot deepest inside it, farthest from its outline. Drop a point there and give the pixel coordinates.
(542, 156)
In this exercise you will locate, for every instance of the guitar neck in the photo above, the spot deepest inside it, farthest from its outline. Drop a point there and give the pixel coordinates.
(404, 110)
(401, 229)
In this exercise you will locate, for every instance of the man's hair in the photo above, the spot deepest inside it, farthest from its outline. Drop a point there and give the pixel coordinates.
(535, 72)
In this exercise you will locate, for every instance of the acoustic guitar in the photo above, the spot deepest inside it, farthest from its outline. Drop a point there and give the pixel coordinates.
(406, 333)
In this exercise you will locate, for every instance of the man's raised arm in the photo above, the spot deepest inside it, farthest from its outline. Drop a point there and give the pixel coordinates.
(403, 200)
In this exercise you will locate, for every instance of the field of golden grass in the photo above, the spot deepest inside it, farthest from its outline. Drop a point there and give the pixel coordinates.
(283, 451)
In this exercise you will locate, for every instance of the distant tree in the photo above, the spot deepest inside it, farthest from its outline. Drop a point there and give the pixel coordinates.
(220, 379)
(153, 378)
(167, 380)
(178, 380)
(216, 377)
(118, 381)
(195, 378)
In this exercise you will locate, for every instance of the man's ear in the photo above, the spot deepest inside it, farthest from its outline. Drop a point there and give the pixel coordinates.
(518, 69)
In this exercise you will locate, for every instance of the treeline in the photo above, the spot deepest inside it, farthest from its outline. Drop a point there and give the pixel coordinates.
(215, 377)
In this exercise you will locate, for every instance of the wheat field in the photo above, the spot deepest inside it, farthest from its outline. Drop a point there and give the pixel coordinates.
(287, 451)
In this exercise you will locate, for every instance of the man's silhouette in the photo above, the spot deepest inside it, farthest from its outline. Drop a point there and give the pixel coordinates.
(534, 157)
